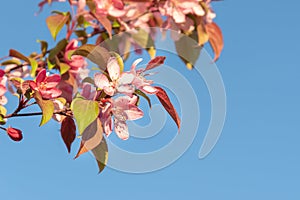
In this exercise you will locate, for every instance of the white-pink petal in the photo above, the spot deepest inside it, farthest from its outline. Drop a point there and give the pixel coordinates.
(101, 80)
(149, 89)
(113, 69)
(121, 129)
(135, 63)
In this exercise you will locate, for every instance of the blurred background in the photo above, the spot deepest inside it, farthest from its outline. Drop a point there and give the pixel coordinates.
(257, 156)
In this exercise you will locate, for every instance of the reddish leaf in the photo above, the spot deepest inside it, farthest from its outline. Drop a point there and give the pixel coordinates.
(105, 23)
(155, 62)
(165, 101)
(215, 39)
(68, 132)
(91, 137)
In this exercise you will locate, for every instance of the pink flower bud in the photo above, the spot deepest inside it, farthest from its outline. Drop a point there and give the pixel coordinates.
(14, 134)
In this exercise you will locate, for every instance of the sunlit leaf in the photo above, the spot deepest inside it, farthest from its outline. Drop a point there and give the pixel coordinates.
(91, 137)
(85, 112)
(44, 46)
(96, 54)
(56, 22)
(3, 112)
(68, 132)
(11, 62)
(165, 101)
(101, 154)
(61, 45)
(63, 68)
(201, 31)
(46, 106)
(34, 66)
(215, 39)
(82, 34)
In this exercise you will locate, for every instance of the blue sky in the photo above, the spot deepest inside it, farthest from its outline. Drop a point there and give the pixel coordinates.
(257, 156)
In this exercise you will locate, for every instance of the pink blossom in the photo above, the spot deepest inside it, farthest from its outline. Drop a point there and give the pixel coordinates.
(120, 82)
(123, 108)
(58, 105)
(88, 92)
(178, 9)
(140, 82)
(3, 79)
(46, 85)
(114, 8)
(76, 62)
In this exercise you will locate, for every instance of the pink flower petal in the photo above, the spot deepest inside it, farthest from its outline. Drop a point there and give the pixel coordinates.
(33, 85)
(113, 69)
(109, 90)
(3, 100)
(126, 78)
(121, 129)
(2, 90)
(134, 113)
(135, 63)
(2, 73)
(126, 89)
(41, 76)
(178, 16)
(101, 80)
(50, 93)
(149, 89)
(52, 81)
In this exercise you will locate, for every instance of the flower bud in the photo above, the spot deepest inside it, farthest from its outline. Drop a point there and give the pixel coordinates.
(14, 134)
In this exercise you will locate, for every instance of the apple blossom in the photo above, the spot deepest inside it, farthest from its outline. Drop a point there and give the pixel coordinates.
(46, 85)
(122, 109)
(120, 82)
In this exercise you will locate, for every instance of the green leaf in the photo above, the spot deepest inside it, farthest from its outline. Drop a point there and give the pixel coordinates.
(143, 39)
(141, 93)
(82, 33)
(49, 64)
(56, 22)
(34, 66)
(11, 62)
(101, 154)
(63, 68)
(188, 50)
(3, 112)
(44, 46)
(46, 106)
(96, 54)
(85, 112)
(61, 45)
